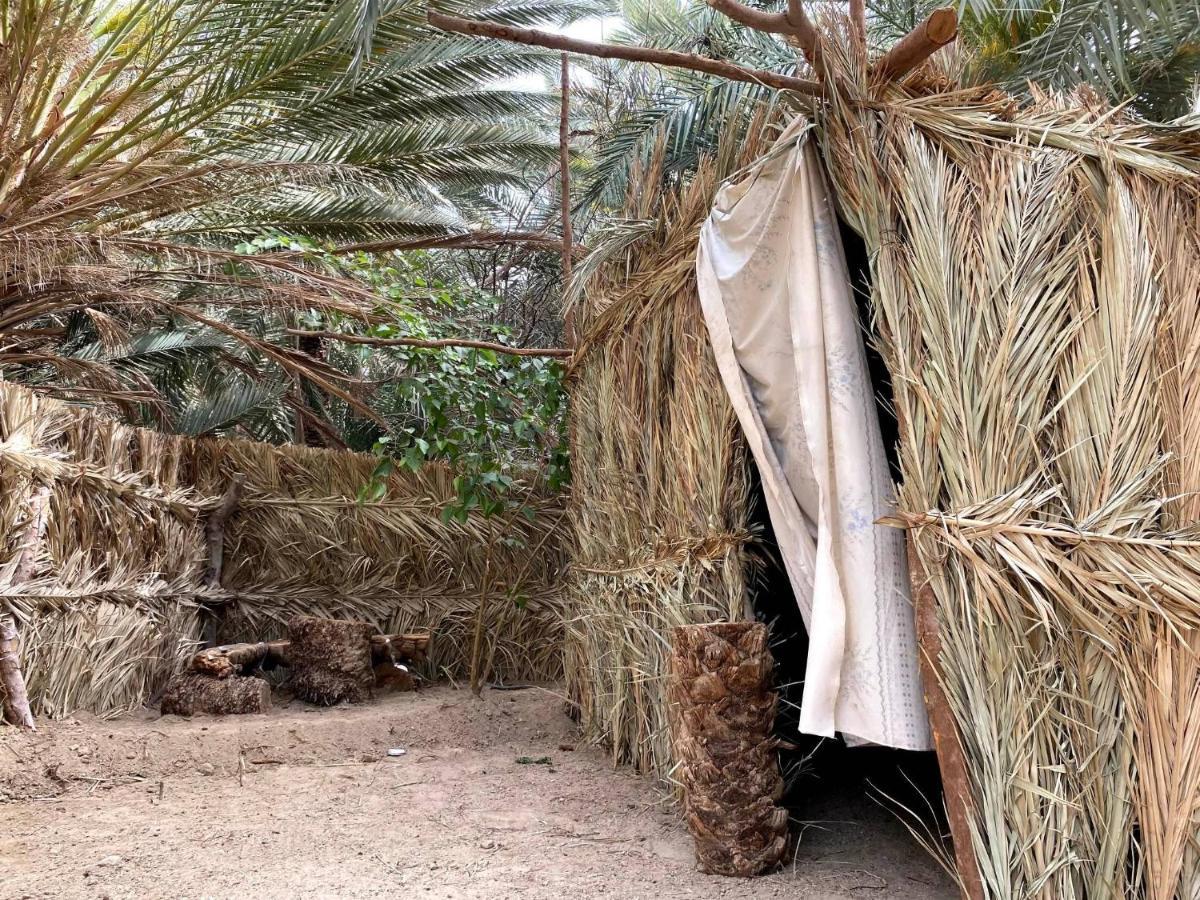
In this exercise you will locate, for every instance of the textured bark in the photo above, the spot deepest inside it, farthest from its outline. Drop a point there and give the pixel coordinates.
(12, 679)
(12, 682)
(956, 781)
(722, 712)
(191, 693)
(235, 659)
(232, 659)
(331, 660)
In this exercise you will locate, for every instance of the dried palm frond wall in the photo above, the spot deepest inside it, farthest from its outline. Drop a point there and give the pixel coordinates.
(1036, 283)
(660, 498)
(115, 600)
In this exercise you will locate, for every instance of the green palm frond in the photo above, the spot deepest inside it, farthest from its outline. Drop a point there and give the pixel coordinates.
(234, 401)
(140, 141)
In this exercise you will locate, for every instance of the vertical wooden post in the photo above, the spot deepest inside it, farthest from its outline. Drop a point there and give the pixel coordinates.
(214, 531)
(951, 761)
(16, 698)
(564, 164)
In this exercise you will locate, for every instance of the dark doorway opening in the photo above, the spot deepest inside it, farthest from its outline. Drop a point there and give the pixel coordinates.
(867, 803)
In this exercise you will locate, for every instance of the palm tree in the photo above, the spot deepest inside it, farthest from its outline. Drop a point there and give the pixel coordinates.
(141, 141)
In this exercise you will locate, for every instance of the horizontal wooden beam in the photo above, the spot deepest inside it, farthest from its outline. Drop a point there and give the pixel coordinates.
(471, 240)
(430, 344)
(530, 36)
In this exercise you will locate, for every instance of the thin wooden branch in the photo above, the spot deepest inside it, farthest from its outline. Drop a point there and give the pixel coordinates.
(564, 165)
(472, 240)
(432, 344)
(12, 679)
(938, 30)
(530, 36)
(214, 532)
(956, 783)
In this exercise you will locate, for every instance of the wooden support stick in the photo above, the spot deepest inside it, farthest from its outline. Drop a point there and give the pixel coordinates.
(564, 166)
(956, 785)
(214, 531)
(16, 697)
(938, 30)
(794, 22)
(478, 28)
(432, 345)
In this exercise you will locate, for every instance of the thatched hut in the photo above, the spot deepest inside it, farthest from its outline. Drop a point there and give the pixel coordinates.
(1035, 293)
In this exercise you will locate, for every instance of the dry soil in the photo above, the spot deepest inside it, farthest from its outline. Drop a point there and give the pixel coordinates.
(492, 798)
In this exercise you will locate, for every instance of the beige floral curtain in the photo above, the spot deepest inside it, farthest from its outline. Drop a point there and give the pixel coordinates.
(780, 312)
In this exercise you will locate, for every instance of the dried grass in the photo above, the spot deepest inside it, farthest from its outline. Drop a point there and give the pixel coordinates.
(115, 602)
(660, 495)
(1036, 284)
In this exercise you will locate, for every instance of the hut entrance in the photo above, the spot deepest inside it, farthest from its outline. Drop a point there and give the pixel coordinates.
(827, 780)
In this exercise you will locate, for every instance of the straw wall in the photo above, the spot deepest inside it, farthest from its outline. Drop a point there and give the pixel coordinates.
(115, 600)
(1037, 288)
(660, 492)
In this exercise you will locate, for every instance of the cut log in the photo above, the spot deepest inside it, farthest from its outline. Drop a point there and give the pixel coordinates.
(939, 29)
(390, 676)
(331, 660)
(191, 693)
(232, 659)
(722, 711)
(235, 659)
(12, 682)
(401, 648)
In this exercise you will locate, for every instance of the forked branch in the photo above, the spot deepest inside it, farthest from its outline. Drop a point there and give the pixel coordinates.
(530, 36)
(793, 22)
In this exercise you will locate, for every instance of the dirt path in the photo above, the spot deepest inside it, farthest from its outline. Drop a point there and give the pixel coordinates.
(307, 803)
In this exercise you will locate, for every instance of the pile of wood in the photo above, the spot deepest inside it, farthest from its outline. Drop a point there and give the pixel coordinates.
(723, 712)
(331, 661)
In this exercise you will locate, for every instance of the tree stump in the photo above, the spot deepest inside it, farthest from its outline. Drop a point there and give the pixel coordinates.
(331, 660)
(191, 693)
(722, 708)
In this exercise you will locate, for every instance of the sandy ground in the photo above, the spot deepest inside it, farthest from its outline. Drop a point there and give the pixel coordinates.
(492, 799)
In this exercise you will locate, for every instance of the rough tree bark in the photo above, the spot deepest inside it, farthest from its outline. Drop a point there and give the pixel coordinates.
(191, 693)
(331, 660)
(12, 680)
(722, 708)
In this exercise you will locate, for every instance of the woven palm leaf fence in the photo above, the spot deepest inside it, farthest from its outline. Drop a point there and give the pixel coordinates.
(1036, 283)
(118, 594)
(660, 499)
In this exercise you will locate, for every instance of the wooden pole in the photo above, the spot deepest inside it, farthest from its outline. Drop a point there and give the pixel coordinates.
(214, 531)
(956, 784)
(564, 165)
(530, 36)
(16, 697)
(938, 30)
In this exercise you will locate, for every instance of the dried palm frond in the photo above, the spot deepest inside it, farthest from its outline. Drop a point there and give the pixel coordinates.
(1036, 289)
(660, 498)
(117, 596)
